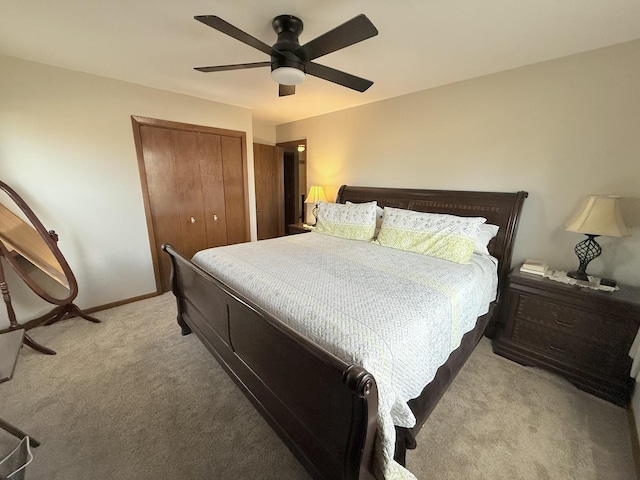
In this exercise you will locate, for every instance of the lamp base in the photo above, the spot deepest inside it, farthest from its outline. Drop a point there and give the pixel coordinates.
(586, 250)
(578, 275)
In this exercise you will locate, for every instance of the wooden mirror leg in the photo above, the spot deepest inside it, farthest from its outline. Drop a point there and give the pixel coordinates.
(50, 318)
(75, 310)
(66, 311)
(30, 342)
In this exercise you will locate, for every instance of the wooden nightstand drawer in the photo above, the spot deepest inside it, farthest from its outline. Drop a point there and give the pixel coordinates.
(574, 321)
(587, 355)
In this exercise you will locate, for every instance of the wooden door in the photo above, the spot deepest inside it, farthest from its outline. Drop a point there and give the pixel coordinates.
(193, 182)
(269, 179)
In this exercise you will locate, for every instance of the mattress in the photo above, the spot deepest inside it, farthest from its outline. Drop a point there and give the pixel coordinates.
(398, 314)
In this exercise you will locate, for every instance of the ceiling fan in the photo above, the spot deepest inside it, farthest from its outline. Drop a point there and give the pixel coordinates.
(290, 61)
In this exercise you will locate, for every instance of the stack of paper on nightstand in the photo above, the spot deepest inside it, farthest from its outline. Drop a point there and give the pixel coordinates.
(535, 267)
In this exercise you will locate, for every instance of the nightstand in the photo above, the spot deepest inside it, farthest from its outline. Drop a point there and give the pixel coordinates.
(582, 334)
(295, 228)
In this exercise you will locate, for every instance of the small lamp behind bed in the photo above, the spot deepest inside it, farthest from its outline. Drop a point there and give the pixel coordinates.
(316, 194)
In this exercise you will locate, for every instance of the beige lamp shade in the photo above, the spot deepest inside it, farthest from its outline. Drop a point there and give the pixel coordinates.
(599, 215)
(316, 194)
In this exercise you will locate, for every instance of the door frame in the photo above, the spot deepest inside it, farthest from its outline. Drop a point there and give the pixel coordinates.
(137, 122)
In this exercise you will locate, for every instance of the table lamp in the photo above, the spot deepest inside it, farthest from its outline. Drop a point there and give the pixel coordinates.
(598, 215)
(315, 195)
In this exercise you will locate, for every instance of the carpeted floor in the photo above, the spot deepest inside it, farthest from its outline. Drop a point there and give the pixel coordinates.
(132, 399)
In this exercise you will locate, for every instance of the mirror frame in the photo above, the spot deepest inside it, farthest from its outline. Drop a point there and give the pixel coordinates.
(50, 239)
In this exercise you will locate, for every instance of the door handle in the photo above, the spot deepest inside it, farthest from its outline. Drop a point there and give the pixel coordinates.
(215, 217)
(193, 220)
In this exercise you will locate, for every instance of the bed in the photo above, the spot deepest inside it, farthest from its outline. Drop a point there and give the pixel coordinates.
(322, 401)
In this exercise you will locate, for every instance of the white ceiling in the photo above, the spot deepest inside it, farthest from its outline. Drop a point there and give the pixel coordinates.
(421, 44)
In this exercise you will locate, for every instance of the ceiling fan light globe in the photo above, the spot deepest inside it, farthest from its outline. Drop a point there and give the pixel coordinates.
(287, 75)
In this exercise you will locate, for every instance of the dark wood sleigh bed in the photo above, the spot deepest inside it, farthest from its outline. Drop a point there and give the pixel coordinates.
(324, 409)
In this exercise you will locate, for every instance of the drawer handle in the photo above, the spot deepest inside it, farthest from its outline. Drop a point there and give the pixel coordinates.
(558, 349)
(565, 324)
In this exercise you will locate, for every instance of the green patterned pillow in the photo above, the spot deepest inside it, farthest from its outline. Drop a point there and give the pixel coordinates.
(356, 221)
(438, 235)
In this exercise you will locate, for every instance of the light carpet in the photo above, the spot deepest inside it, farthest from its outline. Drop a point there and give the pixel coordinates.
(131, 398)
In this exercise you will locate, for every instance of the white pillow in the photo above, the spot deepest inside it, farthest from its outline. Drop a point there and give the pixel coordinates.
(486, 233)
(356, 221)
(379, 215)
(448, 237)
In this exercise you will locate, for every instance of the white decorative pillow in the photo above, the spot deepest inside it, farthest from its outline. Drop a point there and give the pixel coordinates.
(379, 215)
(438, 235)
(485, 234)
(356, 221)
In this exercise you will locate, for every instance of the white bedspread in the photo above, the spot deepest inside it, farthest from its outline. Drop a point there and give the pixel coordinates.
(398, 314)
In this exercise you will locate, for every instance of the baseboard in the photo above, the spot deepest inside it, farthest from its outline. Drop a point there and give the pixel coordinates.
(120, 302)
(635, 443)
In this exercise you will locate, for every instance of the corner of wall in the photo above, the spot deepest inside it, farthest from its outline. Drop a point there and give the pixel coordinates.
(264, 132)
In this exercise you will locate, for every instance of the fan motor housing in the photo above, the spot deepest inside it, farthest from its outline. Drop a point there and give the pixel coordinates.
(288, 28)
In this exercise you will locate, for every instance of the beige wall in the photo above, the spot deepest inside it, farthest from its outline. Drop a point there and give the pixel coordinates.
(66, 145)
(559, 130)
(264, 133)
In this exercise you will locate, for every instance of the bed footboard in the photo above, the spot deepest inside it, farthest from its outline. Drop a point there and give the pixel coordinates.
(324, 409)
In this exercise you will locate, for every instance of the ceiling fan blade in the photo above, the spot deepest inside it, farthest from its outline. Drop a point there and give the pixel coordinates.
(237, 66)
(339, 77)
(228, 29)
(286, 90)
(353, 31)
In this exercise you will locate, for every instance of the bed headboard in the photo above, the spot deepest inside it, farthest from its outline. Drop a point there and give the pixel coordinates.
(499, 208)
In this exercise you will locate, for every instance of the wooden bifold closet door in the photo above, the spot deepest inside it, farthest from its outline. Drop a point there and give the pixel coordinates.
(194, 184)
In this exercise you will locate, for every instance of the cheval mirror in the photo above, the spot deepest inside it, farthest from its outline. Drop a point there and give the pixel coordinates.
(33, 254)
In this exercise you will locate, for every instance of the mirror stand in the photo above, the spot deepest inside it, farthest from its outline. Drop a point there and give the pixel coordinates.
(58, 313)
(13, 323)
(30, 249)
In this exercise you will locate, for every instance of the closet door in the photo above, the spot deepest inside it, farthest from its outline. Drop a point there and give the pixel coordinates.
(211, 168)
(193, 181)
(235, 196)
